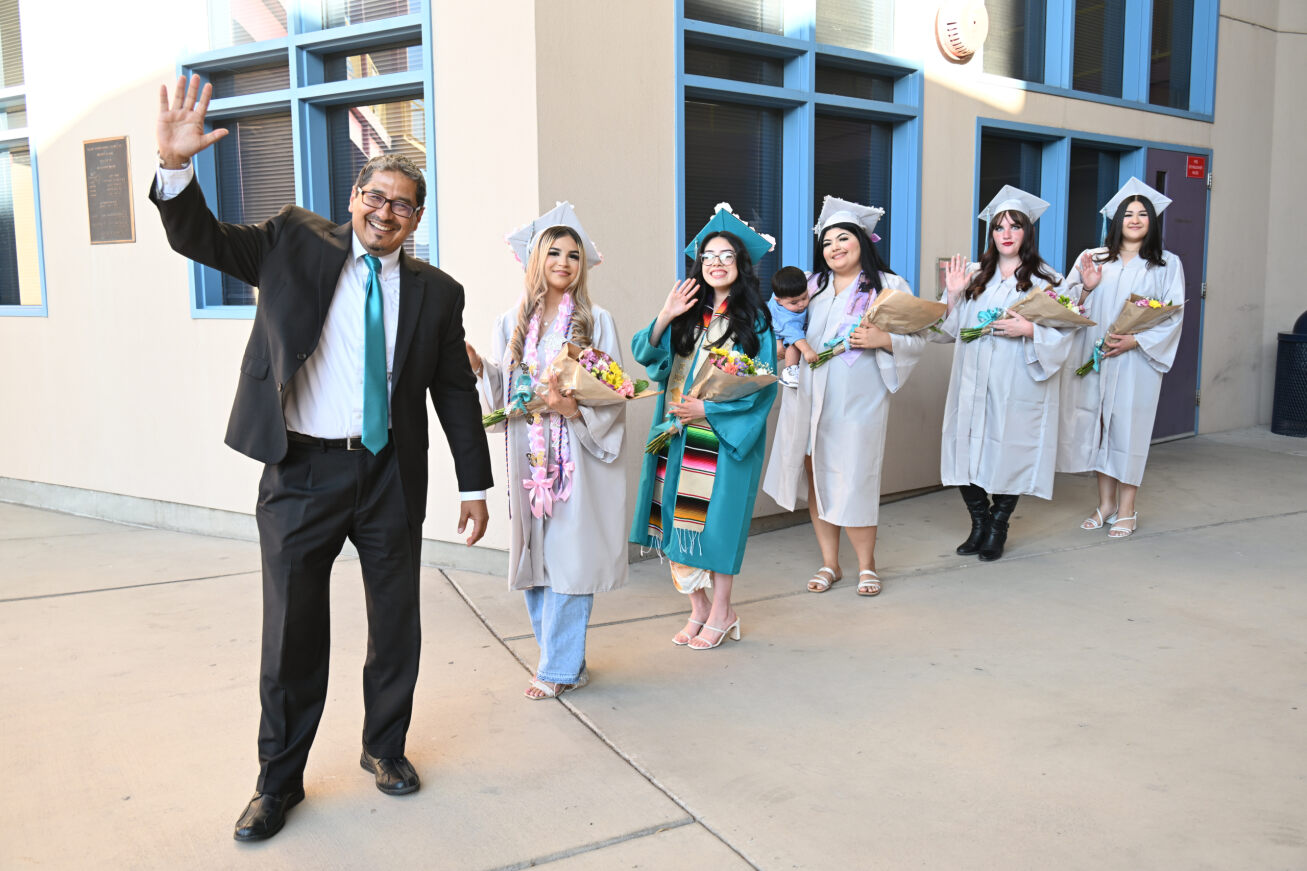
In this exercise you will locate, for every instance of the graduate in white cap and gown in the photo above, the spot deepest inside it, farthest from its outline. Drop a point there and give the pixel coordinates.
(1107, 414)
(566, 488)
(1001, 415)
(830, 437)
(696, 495)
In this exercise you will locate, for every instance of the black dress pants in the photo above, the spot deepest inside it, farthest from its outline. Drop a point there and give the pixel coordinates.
(309, 504)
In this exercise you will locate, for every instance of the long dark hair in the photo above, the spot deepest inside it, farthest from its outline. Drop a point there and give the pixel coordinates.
(744, 307)
(1150, 248)
(869, 259)
(1031, 263)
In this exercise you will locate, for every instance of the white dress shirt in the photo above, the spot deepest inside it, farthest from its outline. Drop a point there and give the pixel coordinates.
(325, 396)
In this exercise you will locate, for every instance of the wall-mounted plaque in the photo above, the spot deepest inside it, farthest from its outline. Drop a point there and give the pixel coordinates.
(109, 190)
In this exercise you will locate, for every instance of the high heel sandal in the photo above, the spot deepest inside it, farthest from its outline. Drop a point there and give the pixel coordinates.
(1098, 521)
(869, 587)
(819, 583)
(1119, 531)
(688, 638)
(733, 630)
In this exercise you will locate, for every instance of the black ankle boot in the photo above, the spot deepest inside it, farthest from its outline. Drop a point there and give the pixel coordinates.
(978, 506)
(991, 547)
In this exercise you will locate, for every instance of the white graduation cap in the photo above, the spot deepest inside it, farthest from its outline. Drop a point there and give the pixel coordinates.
(523, 239)
(1135, 188)
(1013, 199)
(837, 211)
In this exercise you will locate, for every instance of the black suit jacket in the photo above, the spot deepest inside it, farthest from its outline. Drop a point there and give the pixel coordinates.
(295, 260)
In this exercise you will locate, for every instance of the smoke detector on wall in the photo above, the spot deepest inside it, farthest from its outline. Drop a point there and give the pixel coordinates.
(961, 27)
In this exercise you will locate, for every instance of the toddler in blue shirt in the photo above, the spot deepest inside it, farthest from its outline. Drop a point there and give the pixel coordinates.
(789, 316)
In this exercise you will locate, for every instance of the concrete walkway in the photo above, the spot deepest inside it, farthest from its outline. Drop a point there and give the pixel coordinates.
(1082, 703)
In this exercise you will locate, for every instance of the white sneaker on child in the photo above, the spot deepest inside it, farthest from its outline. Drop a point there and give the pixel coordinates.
(790, 376)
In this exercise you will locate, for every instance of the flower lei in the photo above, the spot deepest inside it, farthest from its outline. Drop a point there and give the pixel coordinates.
(543, 488)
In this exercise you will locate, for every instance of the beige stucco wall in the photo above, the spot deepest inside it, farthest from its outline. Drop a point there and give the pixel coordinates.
(606, 139)
(119, 389)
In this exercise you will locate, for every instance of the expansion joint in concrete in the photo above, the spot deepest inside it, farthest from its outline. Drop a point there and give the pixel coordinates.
(618, 751)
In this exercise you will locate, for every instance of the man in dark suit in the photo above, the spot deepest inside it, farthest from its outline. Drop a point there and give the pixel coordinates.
(349, 336)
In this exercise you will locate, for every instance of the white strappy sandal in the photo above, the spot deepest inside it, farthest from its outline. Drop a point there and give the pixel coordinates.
(869, 587)
(819, 583)
(687, 637)
(1119, 531)
(1098, 521)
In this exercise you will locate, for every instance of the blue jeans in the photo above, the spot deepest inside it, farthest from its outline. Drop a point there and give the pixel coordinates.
(559, 621)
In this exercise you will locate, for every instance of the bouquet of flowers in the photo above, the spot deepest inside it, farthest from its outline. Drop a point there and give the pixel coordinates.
(1040, 306)
(728, 375)
(894, 311)
(1137, 314)
(588, 375)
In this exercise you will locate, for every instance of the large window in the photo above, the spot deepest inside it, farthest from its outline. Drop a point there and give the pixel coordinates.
(787, 101)
(1099, 47)
(21, 286)
(1006, 159)
(1015, 45)
(749, 180)
(1094, 176)
(308, 92)
(1075, 172)
(1146, 53)
(1171, 59)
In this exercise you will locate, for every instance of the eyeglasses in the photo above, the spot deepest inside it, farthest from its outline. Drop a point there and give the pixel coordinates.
(725, 258)
(398, 208)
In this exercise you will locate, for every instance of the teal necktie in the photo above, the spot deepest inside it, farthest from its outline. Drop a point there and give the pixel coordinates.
(376, 412)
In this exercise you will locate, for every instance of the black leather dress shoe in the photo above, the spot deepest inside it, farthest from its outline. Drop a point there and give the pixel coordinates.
(395, 775)
(265, 815)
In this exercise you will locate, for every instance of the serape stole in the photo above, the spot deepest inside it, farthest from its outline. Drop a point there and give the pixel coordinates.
(698, 457)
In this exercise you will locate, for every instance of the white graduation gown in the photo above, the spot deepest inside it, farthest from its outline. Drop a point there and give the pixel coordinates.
(1000, 419)
(1107, 416)
(581, 548)
(840, 411)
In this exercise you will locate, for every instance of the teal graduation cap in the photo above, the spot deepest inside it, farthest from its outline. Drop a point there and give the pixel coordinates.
(724, 219)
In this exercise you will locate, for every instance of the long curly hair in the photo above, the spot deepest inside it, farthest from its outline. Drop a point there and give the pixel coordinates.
(536, 288)
(869, 259)
(1150, 248)
(744, 307)
(1031, 263)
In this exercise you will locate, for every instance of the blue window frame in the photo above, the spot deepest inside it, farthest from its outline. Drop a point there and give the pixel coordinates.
(770, 119)
(1158, 55)
(309, 91)
(1075, 171)
(22, 260)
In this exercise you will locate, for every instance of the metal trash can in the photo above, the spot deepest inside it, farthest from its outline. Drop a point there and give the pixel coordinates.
(1289, 410)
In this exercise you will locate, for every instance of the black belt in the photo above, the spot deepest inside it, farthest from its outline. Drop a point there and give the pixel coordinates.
(352, 443)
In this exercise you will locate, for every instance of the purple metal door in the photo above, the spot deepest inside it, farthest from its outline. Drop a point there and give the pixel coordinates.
(1184, 233)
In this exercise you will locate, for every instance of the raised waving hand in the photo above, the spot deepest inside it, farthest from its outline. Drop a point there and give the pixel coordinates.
(180, 128)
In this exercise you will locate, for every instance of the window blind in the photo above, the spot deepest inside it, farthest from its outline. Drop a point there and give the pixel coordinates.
(1099, 46)
(256, 177)
(853, 161)
(1015, 45)
(733, 155)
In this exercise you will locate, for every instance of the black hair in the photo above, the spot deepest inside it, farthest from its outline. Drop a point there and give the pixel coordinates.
(869, 259)
(744, 307)
(789, 282)
(395, 163)
(1150, 248)
(1031, 263)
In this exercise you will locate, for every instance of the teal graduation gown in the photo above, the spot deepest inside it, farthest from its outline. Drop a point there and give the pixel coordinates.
(741, 428)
